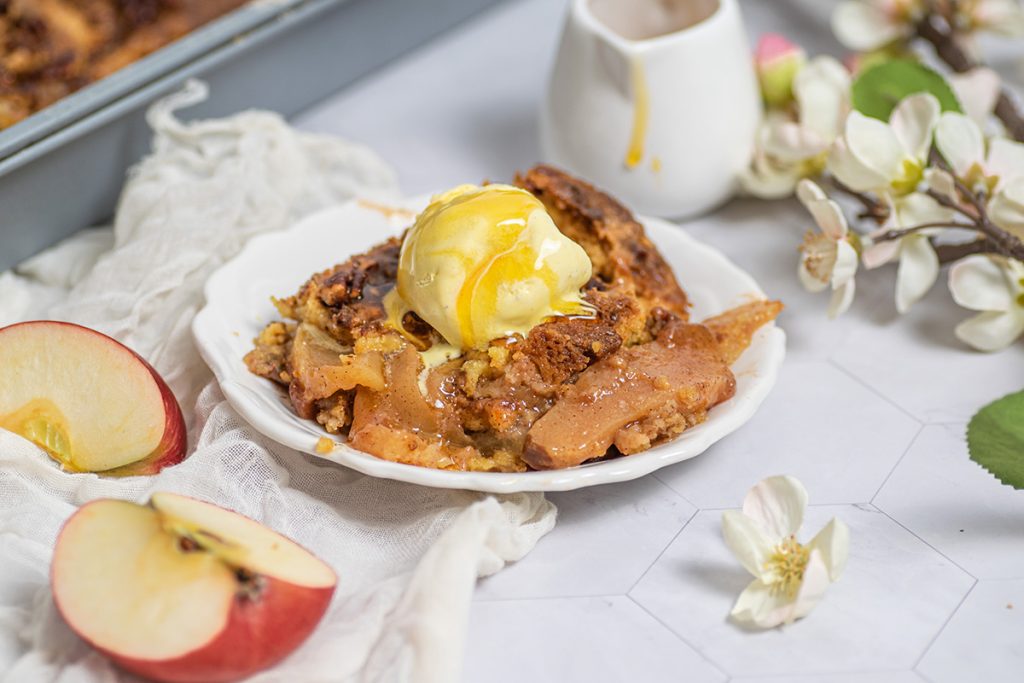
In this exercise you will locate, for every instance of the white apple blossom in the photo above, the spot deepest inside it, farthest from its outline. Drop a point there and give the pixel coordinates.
(828, 257)
(865, 25)
(1006, 209)
(1005, 17)
(994, 168)
(993, 285)
(789, 148)
(872, 155)
(789, 577)
(918, 262)
(977, 91)
(985, 167)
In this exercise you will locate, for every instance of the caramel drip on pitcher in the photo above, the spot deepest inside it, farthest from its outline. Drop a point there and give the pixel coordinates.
(641, 113)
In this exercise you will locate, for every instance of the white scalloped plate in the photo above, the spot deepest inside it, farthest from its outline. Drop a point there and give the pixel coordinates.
(238, 306)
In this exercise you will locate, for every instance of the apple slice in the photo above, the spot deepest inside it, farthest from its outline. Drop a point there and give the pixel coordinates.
(182, 590)
(90, 401)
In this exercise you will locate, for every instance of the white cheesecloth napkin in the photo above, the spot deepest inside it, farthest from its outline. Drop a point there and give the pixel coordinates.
(407, 556)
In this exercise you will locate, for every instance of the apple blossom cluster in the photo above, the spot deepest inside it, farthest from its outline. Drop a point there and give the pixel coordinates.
(930, 161)
(873, 24)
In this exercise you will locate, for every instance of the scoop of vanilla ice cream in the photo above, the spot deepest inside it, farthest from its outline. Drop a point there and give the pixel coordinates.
(486, 262)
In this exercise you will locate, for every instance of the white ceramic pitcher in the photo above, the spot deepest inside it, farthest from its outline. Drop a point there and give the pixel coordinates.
(654, 100)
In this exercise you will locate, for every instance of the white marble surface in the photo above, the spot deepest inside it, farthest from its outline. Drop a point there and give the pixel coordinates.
(634, 583)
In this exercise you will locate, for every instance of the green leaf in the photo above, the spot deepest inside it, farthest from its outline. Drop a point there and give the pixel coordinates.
(878, 90)
(995, 439)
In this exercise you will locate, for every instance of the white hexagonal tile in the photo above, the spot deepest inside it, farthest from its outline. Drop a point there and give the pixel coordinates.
(961, 510)
(894, 596)
(984, 641)
(917, 362)
(603, 639)
(860, 677)
(826, 429)
(605, 539)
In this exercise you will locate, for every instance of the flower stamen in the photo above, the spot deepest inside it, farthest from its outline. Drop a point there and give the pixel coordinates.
(788, 564)
(911, 174)
(819, 255)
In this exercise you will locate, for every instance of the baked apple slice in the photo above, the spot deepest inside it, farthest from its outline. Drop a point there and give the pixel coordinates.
(92, 403)
(182, 590)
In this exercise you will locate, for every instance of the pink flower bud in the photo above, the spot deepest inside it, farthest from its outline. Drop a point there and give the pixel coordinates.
(777, 61)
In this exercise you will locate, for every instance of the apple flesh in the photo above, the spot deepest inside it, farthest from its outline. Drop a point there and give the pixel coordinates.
(182, 590)
(92, 403)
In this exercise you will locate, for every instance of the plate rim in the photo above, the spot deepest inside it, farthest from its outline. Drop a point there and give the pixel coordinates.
(626, 468)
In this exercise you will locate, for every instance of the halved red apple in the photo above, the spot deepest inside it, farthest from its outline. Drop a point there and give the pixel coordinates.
(90, 401)
(182, 590)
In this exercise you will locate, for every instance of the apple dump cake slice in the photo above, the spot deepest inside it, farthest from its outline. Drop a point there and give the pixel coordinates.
(512, 327)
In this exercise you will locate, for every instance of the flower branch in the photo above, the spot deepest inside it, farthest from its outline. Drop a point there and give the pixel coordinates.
(951, 253)
(908, 145)
(934, 28)
(889, 235)
(1001, 241)
(873, 209)
(945, 201)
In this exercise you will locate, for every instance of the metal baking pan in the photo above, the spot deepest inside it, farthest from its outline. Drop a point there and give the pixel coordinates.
(62, 168)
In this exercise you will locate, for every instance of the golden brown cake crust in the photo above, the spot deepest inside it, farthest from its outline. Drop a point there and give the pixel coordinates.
(573, 389)
(614, 239)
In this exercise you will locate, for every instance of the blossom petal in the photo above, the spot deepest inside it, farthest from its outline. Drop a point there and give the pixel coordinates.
(826, 212)
(913, 121)
(766, 181)
(992, 330)
(1004, 17)
(919, 267)
(833, 542)
(1006, 209)
(863, 26)
(1015, 270)
(917, 208)
(978, 283)
(759, 605)
(848, 169)
(977, 90)
(829, 218)
(747, 541)
(778, 504)
(880, 253)
(813, 586)
(1005, 159)
(875, 144)
(822, 92)
(808, 191)
(789, 142)
(846, 264)
(841, 299)
(960, 142)
(942, 182)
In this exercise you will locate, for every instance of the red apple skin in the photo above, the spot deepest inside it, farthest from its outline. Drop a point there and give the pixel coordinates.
(259, 633)
(173, 445)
